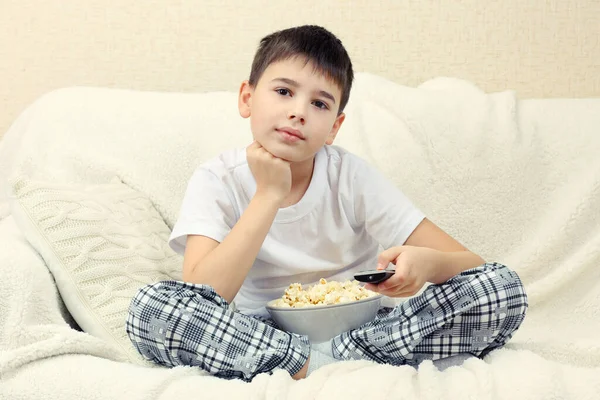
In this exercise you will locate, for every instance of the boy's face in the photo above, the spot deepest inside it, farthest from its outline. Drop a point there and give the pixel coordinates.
(292, 109)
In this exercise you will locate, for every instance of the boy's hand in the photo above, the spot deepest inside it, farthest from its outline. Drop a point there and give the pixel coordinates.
(414, 267)
(273, 175)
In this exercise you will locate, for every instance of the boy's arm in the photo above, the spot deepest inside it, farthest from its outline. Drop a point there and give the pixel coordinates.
(225, 265)
(428, 255)
(454, 257)
(410, 239)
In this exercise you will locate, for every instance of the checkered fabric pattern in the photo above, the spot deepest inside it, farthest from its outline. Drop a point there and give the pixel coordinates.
(473, 312)
(176, 323)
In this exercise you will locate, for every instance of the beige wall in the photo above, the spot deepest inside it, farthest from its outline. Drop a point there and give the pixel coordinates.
(541, 48)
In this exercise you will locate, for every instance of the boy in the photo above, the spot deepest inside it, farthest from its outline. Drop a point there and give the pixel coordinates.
(292, 208)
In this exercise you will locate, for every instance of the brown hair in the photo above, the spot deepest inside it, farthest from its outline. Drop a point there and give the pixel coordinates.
(317, 44)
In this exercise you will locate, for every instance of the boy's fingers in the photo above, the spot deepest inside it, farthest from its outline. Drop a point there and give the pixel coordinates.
(371, 287)
(254, 145)
(389, 256)
(395, 282)
(396, 290)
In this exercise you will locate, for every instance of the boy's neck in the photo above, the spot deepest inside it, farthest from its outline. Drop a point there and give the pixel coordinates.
(302, 171)
(301, 176)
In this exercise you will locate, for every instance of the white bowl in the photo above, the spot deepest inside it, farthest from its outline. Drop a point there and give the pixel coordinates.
(321, 323)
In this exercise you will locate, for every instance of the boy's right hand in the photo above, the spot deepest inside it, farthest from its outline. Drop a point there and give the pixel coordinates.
(273, 175)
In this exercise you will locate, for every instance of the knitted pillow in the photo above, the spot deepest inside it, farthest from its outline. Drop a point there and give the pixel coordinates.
(101, 243)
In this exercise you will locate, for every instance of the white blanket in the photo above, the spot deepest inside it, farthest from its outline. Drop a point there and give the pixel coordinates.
(511, 183)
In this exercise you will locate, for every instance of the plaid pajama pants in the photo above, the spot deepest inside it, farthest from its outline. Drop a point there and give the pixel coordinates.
(175, 323)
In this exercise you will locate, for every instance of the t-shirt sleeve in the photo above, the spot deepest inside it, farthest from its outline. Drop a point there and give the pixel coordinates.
(206, 210)
(386, 212)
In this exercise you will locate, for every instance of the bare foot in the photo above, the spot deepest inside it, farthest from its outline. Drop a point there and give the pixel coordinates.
(302, 373)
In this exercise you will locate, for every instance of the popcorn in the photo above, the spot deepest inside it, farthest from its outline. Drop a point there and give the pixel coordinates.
(322, 293)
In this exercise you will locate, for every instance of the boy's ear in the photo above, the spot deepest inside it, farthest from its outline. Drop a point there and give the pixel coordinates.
(245, 99)
(335, 128)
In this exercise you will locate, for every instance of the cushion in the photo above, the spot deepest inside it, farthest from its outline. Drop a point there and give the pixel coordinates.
(101, 243)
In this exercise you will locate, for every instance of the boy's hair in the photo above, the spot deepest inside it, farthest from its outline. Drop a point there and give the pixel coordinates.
(317, 44)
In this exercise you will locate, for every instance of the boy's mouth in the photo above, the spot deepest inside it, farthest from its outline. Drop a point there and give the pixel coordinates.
(291, 132)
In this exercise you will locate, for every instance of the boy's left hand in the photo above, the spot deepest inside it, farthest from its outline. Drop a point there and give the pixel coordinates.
(414, 267)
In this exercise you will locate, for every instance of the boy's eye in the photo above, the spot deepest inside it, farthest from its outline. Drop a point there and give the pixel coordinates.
(320, 104)
(283, 91)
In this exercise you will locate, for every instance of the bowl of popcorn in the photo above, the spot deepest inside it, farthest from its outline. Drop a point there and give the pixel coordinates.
(324, 310)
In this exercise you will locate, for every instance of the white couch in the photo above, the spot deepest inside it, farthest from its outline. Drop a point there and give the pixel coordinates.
(517, 181)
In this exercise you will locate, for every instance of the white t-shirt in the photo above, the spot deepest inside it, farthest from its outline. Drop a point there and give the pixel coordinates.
(349, 212)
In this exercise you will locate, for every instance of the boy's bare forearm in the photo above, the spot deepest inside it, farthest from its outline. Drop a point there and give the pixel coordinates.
(453, 263)
(226, 267)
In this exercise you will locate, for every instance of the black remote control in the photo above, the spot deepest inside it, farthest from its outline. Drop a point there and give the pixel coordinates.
(373, 276)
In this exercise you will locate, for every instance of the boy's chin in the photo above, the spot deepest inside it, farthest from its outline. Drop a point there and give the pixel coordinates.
(287, 154)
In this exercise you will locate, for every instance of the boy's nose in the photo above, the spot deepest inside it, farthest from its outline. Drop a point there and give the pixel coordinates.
(297, 112)
(296, 116)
